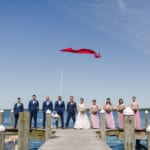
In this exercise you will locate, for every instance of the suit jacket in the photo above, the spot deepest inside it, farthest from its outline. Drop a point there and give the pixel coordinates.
(45, 107)
(71, 108)
(33, 107)
(18, 107)
(59, 108)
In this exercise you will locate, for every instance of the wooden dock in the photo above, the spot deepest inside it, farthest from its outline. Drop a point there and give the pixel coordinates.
(119, 133)
(66, 139)
(72, 138)
(36, 134)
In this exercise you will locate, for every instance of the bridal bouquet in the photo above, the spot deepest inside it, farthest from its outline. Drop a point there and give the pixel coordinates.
(82, 110)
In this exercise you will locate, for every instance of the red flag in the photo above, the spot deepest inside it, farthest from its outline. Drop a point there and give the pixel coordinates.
(82, 51)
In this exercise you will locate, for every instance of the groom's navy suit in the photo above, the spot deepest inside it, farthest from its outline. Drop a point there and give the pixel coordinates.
(71, 110)
(47, 105)
(18, 107)
(33, 109)
(60, 108)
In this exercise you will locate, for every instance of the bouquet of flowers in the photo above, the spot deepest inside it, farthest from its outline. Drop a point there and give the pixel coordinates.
(95, 111)
(135, 108)
(82, 109)
(108, 109)
(121, 108)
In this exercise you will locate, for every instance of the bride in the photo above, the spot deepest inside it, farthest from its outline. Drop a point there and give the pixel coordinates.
(82, 121)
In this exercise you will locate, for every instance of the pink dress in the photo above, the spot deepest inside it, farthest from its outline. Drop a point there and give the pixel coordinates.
(120, 115)
(94, 117)
(137, 119)
(110, 123)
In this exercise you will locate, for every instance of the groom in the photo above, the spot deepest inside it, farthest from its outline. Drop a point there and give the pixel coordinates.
(71, 110)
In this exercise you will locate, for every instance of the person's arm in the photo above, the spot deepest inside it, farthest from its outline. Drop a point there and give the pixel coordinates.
(78, 108)
(55, 106)
(67, 106)
(97, 107)
(75, 107)
(137, 106)
(37, 107)
(14, 109)
(112, 107)
(22, 107)
(91, 108)
(51, 106)
(43, 107)
(29, 106)
(63, 106)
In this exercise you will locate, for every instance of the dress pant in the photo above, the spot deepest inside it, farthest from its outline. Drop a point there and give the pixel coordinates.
(16, 120)
(33, 115)
(61, 119)
(69, 116)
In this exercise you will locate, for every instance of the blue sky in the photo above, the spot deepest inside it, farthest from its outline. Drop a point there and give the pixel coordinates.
(33, 31)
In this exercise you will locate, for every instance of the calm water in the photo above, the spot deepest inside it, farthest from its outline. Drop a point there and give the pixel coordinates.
(113, 141)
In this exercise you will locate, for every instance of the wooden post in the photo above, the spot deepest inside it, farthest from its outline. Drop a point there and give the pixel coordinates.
(129, 129)
(102, 126)
(11, 118)
(2, 139)
(148, 137)
(146, 119)
(23, 131)
(48, 129)
(1, 116)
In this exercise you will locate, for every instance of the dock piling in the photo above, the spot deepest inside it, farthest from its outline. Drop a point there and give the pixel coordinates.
(129, 129)
(11, 118)
(146, 119)
(1, 117)
(102, 126)
(2, 139)
(23, 131)
(48, 129)
(148, 137)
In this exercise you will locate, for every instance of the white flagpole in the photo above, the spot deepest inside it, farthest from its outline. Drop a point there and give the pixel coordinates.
(61, 80)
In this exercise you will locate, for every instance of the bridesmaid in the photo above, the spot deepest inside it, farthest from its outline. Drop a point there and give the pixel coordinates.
(120, 109)
(135, 107)
(94, 109)
(110, 123)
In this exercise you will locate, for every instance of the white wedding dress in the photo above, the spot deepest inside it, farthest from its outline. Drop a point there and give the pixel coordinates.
(82, 121)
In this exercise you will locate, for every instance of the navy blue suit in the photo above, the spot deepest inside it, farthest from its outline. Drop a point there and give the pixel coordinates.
(71, 110)
(18, 107)
(46, 105)
(33, 109)
(60, 108)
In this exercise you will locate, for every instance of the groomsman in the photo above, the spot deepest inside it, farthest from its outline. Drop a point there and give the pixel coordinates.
(47, 105)
(33, 109)
(71, 110)
(18, 107)
(60, 108)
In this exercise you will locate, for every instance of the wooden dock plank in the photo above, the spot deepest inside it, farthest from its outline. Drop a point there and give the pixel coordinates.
(38, 133)
(75, 139)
